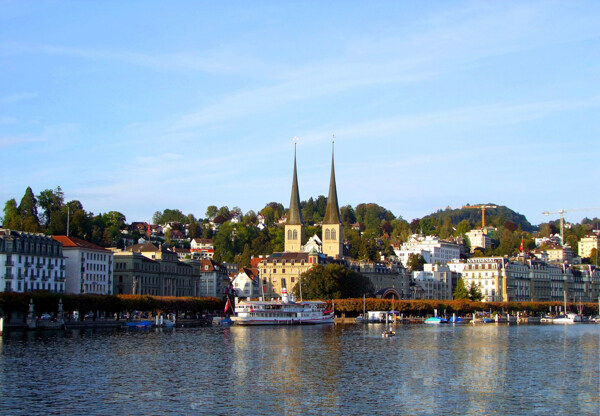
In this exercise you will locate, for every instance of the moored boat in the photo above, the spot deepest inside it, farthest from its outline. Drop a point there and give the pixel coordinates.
(569, 318)
(436, 320)
(284, 312)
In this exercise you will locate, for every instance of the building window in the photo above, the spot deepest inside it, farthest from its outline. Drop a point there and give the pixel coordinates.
(333, 234)
(327, 234)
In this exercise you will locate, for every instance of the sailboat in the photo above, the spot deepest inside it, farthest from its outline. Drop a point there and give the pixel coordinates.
(568, 317)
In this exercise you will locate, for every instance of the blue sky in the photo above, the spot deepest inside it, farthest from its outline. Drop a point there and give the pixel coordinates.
(139, 106)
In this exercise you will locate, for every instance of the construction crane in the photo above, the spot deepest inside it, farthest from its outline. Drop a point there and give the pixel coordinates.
(483, 208)
(562, 212)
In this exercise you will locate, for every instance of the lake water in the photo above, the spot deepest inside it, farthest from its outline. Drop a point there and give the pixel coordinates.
(321, 370)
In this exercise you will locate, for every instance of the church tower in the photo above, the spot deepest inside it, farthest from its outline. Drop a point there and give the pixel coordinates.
(294, 226)
(332, 225)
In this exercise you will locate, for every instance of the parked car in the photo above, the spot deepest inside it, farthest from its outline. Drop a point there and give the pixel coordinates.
(89, 315)
(45, 317)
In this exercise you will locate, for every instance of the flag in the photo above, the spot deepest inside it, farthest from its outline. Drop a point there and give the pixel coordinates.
(148, 232)
(227, 306)
(521, 244)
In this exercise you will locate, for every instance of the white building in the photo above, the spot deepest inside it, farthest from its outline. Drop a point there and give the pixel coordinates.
(202, 248)
(30, 261)
(89, 267)
(246, 283)
(479, 238)
(435, 280)
(313, 242)
(433, 250)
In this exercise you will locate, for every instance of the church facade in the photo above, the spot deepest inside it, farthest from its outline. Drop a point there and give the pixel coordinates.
(284, 269)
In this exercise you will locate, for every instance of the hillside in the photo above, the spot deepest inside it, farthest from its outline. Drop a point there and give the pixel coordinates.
(493, 216)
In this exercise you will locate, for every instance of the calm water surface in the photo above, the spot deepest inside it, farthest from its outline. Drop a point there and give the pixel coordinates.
(326, 370)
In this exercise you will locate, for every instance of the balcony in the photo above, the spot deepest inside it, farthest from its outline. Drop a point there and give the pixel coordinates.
(8, 276)
(9, 263)
(28, 264)
(51, 266)
(39, 265)
(62, 266)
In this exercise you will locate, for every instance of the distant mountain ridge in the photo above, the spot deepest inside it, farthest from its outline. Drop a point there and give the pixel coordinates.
(493, 216)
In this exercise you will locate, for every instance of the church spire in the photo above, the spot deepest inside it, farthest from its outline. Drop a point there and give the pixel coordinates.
(332, 213)
(294, 216)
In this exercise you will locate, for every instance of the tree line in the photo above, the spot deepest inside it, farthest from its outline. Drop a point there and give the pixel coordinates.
(369, 229)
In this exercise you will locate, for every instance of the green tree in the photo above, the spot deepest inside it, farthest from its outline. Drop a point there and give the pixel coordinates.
(594, 256)
(461, 292)
(415, 262)
(12, 218)
(463, 227)
(52, 202)
(348, 216)
(332, 281)
(194, 230)
(475, 292)
(211, 211)
(28, 212)
(169, 215)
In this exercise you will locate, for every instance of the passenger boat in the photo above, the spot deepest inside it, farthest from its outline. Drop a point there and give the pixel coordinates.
(283, 312)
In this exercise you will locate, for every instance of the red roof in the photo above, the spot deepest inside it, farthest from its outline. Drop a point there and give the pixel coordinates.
(77, 242)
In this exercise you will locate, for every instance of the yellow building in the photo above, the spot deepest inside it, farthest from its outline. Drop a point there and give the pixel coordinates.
(587, 244)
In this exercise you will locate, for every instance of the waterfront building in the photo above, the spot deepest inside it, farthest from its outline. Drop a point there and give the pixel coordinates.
(89, 267)
(385, 277)
(479, 237)
(590, 279)
(175, 276)
(247, 283)
(136, 274)
(432, 248)
(280, 269)
(587, 244)
(436, 282)
(499, 279)
(30, 261)
(210, 279)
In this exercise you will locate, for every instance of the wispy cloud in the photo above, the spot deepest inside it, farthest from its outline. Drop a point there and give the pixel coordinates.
(17, 97)
(488, 115)
(18, 140)
(7, 120)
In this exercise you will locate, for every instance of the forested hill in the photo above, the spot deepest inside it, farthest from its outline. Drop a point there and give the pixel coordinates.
(493, 216)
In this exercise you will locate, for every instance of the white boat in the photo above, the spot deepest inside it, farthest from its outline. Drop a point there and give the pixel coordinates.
(283, 312)
(569, 318)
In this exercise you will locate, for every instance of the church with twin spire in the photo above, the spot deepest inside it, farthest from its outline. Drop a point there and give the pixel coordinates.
(284, 269)
(332, 241)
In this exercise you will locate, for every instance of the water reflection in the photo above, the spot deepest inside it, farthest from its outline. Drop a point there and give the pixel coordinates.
(337, 370)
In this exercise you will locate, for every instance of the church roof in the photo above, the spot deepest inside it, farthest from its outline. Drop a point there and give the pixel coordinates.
(332, 213)
(294, 216)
